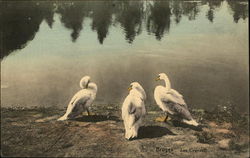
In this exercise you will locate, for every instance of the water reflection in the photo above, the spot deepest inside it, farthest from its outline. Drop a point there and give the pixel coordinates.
(198, 43)
(177, 11)
(159, 19)
(213, 5)
(101, 19)
(72, 16)
(20, 23)
(239, 10)
(191, 9)
(20, 20)
(130, 18)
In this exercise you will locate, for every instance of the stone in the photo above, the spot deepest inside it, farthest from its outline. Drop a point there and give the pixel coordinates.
(37, 115)
(224, 144)
(179, 142)
(222, 130)
(46, 119)
(227, 125)
(212, 124)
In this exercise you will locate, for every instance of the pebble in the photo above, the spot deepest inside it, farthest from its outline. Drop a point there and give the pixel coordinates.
(178, 142)
(222, 130)
(212, 124)
(46, 119)
(224, 143)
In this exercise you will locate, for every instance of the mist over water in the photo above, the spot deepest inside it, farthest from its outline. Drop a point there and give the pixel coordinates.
(47, 47)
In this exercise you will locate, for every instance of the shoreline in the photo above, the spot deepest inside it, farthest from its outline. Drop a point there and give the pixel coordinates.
(22, 129)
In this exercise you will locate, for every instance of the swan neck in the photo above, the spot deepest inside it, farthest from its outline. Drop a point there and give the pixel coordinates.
(142, 92)
(137, 93)
(92, 86)
(167, 83)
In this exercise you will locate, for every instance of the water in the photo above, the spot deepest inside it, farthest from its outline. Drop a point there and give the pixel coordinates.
(48, 46)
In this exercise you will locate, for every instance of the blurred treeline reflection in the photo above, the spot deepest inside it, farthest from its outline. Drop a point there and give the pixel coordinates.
(20, 21)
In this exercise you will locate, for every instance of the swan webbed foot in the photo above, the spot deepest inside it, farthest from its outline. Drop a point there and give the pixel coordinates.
(162, 119)
(90, 113)
(63, 118)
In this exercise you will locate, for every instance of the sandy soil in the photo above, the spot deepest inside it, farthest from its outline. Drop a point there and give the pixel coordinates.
(35, 132)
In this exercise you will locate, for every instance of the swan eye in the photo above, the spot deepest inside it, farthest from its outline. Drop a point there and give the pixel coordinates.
(130, 88)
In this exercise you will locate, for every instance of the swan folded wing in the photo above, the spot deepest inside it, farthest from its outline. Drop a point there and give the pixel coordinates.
(125, 107)
(77, 103)
(73, 99)
(176, 93)
(135, 114)
(179, 110)
(170, 97)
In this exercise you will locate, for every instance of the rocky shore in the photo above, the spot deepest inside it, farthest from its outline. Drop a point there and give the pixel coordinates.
(34, 131)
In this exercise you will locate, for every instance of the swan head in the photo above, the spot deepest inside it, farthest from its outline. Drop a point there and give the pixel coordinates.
(92, 86)
(161, 76)
(84, 82)
(136, 86)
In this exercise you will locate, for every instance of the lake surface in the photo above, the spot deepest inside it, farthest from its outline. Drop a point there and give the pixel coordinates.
(46, 47)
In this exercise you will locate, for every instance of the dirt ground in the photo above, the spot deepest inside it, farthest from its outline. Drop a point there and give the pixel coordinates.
(35, 132)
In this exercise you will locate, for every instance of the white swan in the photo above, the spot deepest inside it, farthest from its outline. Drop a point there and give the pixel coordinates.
(172, 102)
(82, 100)
(133, 110)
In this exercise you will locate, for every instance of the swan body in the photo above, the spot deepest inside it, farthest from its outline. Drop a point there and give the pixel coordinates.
(133, 110)
(172, 102)
(82, 100)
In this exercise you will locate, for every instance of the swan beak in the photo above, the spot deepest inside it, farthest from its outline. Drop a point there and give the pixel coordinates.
(157, 79)
(129, 89)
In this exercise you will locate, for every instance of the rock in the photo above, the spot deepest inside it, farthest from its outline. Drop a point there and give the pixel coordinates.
(46, 119)
(98, 136)
(206, 130)
(37, 115)
(205, 137)
(227, 125)
(222, 130)
(18, 124)
(67, 145)
(212, 124)
(179, 142)
(224, 144)
(82, 124)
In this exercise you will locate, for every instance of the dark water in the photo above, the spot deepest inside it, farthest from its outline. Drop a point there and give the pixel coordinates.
(46, 47)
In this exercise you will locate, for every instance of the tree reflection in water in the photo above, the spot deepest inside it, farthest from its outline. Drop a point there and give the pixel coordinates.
(20, 21)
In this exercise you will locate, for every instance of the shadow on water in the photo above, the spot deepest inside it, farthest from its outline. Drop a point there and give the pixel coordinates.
(20, 21)
(177, 123)
(153, 132)
(97, 118)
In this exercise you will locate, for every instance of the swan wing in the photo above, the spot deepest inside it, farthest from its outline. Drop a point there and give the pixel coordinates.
(179, 110)
(176, 105)
(131, 112)
(77, 103)
(176, 93)
(175, 97)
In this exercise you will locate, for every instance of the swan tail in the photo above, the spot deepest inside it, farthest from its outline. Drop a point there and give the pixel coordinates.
(131, 133)
(63, 118)
(131, 129)
(191, 122)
